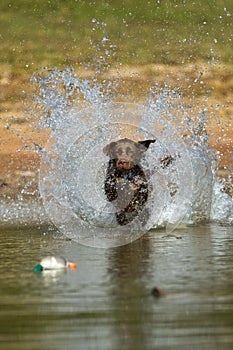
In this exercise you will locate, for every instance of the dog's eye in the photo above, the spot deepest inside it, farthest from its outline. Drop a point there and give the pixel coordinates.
(129, 150)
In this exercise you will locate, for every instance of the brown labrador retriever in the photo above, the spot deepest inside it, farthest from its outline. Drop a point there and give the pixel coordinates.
(125, 182)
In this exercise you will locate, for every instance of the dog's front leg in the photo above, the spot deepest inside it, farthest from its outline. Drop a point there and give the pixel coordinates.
(110, 187)
(136, 204)
(140, 196)
(121, 218)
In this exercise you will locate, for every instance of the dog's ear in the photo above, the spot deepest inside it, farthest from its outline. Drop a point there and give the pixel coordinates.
(107, 150)
(146, 143)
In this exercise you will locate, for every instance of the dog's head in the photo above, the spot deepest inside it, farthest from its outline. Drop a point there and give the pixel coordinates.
(126, 152)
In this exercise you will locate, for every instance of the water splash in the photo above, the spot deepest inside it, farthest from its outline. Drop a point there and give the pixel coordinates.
(83, 119)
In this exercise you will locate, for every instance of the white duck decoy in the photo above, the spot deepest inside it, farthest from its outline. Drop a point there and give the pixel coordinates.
(54, 263)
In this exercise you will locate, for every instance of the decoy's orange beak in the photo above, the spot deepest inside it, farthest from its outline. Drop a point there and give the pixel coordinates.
(72, 265)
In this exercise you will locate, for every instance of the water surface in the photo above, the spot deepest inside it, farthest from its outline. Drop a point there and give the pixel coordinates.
(106, 303)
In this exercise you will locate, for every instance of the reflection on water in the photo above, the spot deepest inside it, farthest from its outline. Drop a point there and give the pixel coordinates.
(106, 303)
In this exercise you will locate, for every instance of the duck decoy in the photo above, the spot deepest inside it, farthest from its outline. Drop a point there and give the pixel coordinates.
(54, 263)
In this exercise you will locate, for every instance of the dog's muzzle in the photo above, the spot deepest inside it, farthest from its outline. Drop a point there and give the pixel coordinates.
(123, 164)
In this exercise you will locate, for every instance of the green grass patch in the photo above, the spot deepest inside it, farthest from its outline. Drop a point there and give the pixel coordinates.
(60, 32)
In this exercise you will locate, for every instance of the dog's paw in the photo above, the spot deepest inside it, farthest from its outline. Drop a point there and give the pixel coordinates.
(124, 218)
(121, 218)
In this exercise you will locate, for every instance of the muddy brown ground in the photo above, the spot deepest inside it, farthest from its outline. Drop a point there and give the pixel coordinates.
(19, 138)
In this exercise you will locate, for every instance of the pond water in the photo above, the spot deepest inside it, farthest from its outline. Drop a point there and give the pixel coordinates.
(106, 303)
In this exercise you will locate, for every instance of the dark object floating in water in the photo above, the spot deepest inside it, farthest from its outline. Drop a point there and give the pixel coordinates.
(54, 263)
(158, 293)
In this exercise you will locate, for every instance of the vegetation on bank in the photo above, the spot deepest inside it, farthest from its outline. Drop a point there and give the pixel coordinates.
(78, 32)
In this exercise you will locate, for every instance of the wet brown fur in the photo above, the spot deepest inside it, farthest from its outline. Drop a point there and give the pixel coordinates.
(125, 183)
